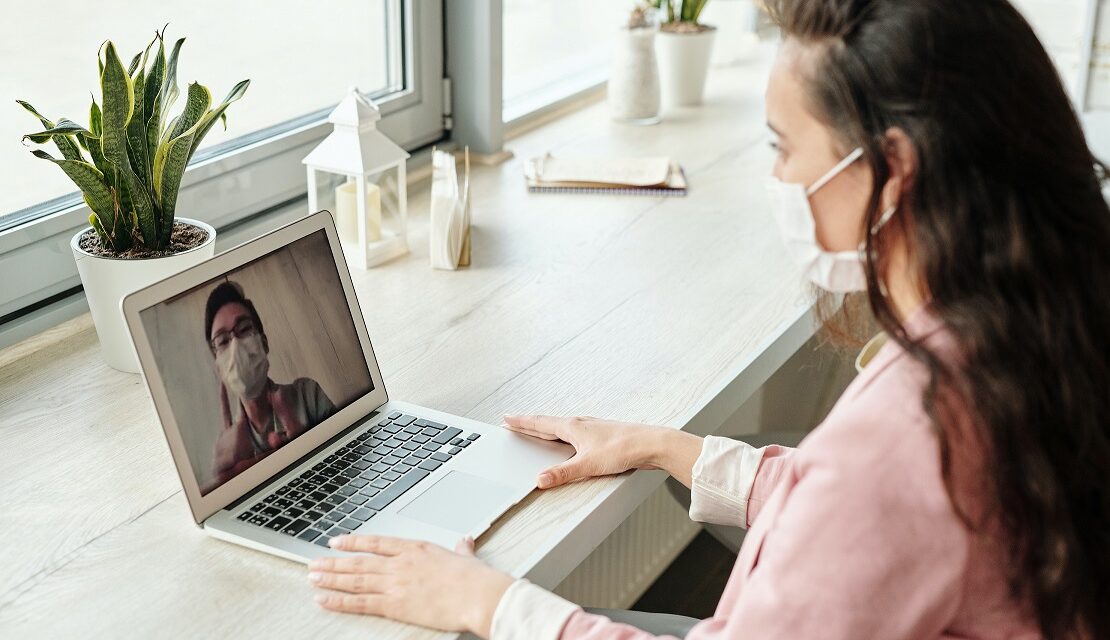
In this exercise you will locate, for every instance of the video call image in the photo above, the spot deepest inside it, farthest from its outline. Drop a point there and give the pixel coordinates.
(257, 357)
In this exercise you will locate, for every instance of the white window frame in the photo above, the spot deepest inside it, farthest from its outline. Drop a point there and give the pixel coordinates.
(35, 257)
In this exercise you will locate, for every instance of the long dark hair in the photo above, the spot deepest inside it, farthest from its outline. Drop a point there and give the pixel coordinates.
(1009, 233)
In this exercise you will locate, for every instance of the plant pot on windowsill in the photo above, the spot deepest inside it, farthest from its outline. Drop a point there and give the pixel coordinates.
(684, 50)
(128, 165)
(108, 276)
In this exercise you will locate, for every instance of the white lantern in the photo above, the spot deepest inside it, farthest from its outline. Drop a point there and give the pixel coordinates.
(371, 206)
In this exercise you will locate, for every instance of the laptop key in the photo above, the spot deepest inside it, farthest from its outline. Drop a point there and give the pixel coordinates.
(329, 487)
(390, 475)
(431, 446)
(246, 515)
(444, 436)
(363, 514)
(346, 507)
(357, 499)
(380, 483)
(314, 515)
(395, 490)
(474, 436)
(295, 527)
(421, 453)
(293, 512)
(404, 420)
(259, 519)
(278, 523)
(322, 541)
(334, 516)
(412, 428)
(411, 446)
(379, 467)
(369, 492)
(430, 431)
(358, 482)
(442, 457)
(393, 415)
(334, 499)
(430, 465)
(317, 496)
(391, 460)
(305, 504)
(270, 512)
(347, 491)
(454, 450)
(308, 535)
(392, 428)
(338, 531)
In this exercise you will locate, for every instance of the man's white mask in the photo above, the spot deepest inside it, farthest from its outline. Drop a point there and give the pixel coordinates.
(835, 271)
(244, 366)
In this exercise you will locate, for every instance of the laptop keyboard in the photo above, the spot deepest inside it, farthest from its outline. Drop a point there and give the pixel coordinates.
(359, 479)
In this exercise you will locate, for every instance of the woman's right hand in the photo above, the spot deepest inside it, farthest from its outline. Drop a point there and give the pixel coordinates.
(602, 447)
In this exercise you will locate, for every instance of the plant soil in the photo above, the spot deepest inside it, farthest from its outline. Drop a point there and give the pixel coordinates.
(183, 238)
(684, 27)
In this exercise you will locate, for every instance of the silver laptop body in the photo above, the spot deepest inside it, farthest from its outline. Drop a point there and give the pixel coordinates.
(261, 371)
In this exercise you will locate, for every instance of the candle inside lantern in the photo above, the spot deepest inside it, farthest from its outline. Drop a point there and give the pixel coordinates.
(346, 212)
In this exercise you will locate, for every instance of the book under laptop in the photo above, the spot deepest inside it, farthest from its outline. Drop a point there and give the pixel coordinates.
(262, 374)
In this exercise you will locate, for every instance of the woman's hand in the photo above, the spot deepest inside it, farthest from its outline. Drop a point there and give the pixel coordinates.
(411, 581)
(605, 447)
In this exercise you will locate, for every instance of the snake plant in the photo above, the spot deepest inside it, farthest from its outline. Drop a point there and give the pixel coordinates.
(688, 10)
(136, 153)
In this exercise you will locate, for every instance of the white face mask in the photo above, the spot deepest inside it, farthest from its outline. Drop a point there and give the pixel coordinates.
(244, 366)
(835, 271)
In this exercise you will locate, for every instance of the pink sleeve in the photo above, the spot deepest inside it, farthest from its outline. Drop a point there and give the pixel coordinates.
(864, 545)
(773, 468)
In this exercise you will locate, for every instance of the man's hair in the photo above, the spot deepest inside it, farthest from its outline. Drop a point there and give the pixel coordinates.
(227, 293)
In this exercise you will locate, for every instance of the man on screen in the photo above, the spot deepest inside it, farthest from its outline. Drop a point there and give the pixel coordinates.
(259, 415)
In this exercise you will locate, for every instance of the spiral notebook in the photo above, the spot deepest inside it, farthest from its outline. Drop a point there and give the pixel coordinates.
(648, 176)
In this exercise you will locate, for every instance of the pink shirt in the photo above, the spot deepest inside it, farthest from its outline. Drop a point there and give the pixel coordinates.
(852, 534)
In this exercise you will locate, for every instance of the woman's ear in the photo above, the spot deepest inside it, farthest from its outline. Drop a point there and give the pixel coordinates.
(901, 157)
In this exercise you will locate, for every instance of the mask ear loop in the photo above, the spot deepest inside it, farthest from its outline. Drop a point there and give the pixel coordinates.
(832, 173)
(874, 231)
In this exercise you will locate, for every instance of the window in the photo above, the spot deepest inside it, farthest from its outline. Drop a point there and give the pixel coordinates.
(300, 58)
(552, 50)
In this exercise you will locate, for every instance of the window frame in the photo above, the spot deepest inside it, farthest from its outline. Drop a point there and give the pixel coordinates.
(37, 251)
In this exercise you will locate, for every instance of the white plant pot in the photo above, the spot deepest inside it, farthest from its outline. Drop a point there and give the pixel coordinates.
(108, 280)
(683, 64)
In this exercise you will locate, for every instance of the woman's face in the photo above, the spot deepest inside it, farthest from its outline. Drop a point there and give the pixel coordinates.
(807, 149)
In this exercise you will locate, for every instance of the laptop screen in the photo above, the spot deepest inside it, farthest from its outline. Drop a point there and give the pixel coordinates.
(256, 357)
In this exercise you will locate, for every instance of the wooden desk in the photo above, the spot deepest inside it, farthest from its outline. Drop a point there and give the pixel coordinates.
(668, 311)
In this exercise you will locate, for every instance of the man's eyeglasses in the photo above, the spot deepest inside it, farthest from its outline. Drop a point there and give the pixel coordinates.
(242, 329)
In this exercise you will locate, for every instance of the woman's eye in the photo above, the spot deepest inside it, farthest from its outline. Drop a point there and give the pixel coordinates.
(776, 147)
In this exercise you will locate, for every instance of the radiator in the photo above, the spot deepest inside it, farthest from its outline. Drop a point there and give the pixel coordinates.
(621, 569)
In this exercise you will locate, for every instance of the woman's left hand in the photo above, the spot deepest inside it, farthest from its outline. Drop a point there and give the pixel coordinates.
(411, 581)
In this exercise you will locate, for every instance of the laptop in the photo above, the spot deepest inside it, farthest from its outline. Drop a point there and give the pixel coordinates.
(262, 374)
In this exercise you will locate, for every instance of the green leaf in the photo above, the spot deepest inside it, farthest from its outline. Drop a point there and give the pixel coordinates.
(210, 118)
(134, 64)
(118, 106)
(95, 189)
(196, 105)
(169, 91)
(95, 119)
(63, 127)
(137, 141)
(153, 83)
(65, 144)
(172, 168)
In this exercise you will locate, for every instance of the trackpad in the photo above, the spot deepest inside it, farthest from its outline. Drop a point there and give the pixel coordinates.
(458, 502)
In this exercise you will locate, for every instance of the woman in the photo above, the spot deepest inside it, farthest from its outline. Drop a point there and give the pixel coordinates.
(958, 489)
